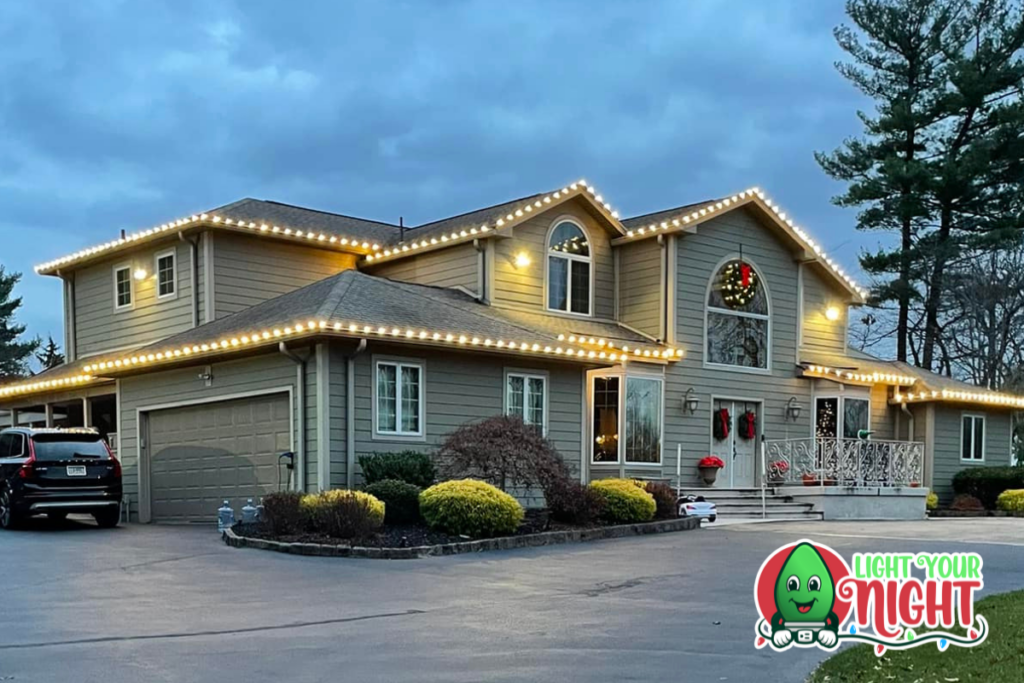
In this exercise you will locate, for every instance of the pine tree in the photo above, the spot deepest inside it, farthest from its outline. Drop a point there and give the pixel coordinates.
(14, 354)
(899, 61)
(50, 355)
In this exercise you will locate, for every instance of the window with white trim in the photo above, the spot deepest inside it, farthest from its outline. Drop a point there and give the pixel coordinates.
(123, 287)
(972, 438)
(569, 266)
(634, 413)
(737, 317)
(525, 397)
(399, 405)
(166, 282)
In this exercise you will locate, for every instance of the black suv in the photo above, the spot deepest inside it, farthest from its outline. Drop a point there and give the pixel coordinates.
(56, 472)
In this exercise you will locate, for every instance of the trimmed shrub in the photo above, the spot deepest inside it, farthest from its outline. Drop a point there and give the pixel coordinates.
(282, 512)
(401, 500)
(468, 507)
(986, 483)
(932, 501)
(571, 502)
(343, 514)
(664, 500)
(624, 501)
(412, 467)
(1011, 500)
(967, 503)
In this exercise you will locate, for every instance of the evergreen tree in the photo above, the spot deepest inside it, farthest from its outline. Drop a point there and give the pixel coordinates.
(899, 60)
(50, 355)
(14, 354)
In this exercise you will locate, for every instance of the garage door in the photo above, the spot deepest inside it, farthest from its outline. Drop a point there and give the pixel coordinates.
(203, 455)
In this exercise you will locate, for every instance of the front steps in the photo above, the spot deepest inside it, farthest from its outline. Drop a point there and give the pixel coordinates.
(746, 504)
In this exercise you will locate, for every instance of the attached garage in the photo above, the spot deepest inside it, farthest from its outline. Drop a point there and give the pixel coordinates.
(201, 455)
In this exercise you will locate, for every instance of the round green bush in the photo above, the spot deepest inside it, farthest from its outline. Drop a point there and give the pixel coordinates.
(1011, 500)
(401, 500)
(468, 507)
(624, 501)
(932, 502)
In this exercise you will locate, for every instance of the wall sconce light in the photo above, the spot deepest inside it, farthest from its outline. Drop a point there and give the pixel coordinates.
(140, 273)
(793, 409)
(522, 260)
(832, 313)
(690, 401)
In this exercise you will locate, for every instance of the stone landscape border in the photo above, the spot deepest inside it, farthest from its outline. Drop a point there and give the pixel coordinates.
(504, 543)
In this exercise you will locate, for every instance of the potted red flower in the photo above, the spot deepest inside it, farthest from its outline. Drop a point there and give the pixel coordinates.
(777, 470)
(709, 466)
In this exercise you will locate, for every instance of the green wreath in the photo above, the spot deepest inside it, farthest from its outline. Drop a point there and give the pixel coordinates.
(739, 284)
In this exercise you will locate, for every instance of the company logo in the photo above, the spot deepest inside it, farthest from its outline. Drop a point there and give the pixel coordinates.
(808, 596)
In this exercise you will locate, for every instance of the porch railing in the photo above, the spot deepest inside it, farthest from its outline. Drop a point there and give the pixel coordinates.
(827, 461)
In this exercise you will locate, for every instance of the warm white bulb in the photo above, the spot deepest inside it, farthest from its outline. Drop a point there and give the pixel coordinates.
(522, 260)
(140, 273)
(832, 313)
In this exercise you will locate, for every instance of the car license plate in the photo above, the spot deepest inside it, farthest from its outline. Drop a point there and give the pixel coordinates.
(76, 470)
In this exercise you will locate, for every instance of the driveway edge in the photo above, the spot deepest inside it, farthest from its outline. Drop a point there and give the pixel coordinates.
(482, 545)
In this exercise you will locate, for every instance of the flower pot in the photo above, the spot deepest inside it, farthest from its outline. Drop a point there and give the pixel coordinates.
(708, 474)
(810, 481)
(776, 481)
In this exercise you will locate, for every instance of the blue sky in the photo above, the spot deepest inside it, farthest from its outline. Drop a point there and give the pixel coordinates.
(120, 114)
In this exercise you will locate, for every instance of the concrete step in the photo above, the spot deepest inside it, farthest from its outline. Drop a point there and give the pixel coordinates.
(809, 516)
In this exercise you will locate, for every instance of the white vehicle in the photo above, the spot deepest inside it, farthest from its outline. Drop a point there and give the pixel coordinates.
(696, 506)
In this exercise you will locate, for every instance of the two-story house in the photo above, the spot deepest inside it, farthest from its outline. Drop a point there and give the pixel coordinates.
(209, 346)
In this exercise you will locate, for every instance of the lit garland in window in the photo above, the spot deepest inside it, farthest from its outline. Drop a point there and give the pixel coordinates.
(739, 284)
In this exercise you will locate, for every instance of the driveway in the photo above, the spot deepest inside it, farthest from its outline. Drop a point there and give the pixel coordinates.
(175, 604)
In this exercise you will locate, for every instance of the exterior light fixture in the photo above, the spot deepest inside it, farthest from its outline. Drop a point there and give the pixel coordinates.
(793, 409)
(140, 273)
(690, 401)
(522, 260)
(832, 313)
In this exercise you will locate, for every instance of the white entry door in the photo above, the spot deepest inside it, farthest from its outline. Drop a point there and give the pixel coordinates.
(735, 428)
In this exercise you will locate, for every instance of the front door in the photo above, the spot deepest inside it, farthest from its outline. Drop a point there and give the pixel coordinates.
(735, 427)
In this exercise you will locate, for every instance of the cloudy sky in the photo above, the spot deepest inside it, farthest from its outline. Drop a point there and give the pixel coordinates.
(118, 114)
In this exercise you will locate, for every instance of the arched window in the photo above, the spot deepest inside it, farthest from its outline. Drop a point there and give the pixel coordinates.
(737, 317)
(569, 269)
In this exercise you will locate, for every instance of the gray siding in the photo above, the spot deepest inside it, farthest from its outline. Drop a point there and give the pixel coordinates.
(524, 288)
(339, 402)
(818, 331)
(182, 386)
(452, 267)
(698, 256)
(641, 295)
(252, 269)
(883, 416)
(946, 448)
(100, 328)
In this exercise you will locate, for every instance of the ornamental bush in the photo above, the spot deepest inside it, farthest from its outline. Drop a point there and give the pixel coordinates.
(664, 500)
(282, 512)
(1011, 500)
(624, 501)
(965, 502)
(932, 501)
(501, 450)
(571, 502)
(986, 483)
(467, 507)
(401, 500)
(408, 466)
(343, 514)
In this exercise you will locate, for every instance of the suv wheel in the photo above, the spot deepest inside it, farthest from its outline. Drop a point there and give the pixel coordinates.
(108, 519)
(8, 518)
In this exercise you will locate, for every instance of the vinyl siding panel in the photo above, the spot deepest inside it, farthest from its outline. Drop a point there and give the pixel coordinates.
(452, 267)
(524, 288)
(946, 449)
(339, 406)
(883, 416)
(698, 256)
(641, 295)
(249, 270)
(818, 331)
(182, 385)
(100, 328)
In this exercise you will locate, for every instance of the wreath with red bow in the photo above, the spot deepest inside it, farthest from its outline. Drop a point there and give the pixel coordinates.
(748, 425)
(722, 422)
(739, 284)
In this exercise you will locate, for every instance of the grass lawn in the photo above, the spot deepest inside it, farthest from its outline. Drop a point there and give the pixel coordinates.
(1000, 658)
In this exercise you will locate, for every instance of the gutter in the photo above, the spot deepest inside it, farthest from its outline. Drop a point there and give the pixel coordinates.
(350, 415)
(193, 244)
(300, 447)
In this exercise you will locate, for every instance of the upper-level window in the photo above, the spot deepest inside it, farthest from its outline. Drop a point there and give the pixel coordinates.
(166, 282)
(737, 317)
(122, 287)
(569, 269)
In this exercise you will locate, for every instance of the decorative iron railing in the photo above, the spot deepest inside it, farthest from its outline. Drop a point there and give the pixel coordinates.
(824, 461)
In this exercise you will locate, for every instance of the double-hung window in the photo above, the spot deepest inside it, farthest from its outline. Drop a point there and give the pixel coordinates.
(123, 298)
(399, 398)
(972, 438)
(526, 396)
(166, 282)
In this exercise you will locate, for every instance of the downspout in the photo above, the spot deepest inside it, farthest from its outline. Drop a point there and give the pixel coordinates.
(910, 419)
(71, 331)
(350, 415)
(193, 245)
(300, 380)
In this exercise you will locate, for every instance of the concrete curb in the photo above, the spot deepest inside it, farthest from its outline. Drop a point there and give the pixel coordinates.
(483, 545)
